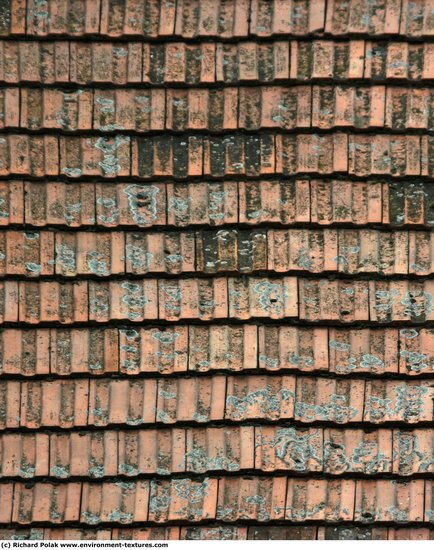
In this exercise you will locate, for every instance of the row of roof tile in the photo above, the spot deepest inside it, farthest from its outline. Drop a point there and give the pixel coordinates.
(222, 532)
(227, 499)
(180, 204)
(85, 63)
(348, 251)
(217, 156)
(165, 451)
(133, 351)
(250, 108)
(210, 18)
(102, 402)
(313, 300)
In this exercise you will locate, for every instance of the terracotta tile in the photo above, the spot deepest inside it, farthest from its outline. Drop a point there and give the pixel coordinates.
(211, 203)
(58, 403)
(263, 532)
(370, 251)
(358, 451)
(303, 250)
(71, 204)
(356, 17)
(27, 253)
(77, 534)
(339, 106)
(271, 148)
(10, 108)
(397, 401)
(195, 19)
(252, 396)
(311, 153)
(429, 499)
(385, 500)
(86, 253)
(205, 299)
(95, 156)
(228, 449)
(62, 18)
(251, 498)
(407, 204)
(7, 496)
(407, 108)
(398, 60)
(400, 301)
(339, 300)
(293, 348)
(415, 20)
(325, 59)
(217, 156)
(284, 202)
(329, 500)
(413, 451)
(414, 351)
(162, 350)
(55, 109)
(287, 202)
(183, 500)
(10, 404)
(83, 454)
(338, 201)
(9, 291)
(421, 253)
(222, 347)
(334, 400)
(160, 252)
(288, 448)
(43, 502)
(25, 352)
(29, 155)
(348, 532)
(92, 351)
(114, 401)
(261, 297)
(11, 200)
(24, 455)
(363, 350)
(147, 533)
(152, 451)
(412, 533)
(14, 19)
(50, 301)
(128, 110)
(101, 62)
(190, 399)
(130, 300)
(221, 532)
(130, 204)
(231, 250)
(120, 502)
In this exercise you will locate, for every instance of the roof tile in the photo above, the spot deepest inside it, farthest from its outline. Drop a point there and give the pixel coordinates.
(264, 532)
(152, 451)
(183, 499)
(326, 500)
(120, 502)
(283, 202)
(385, 500)
(164, 451)
(252, 498)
